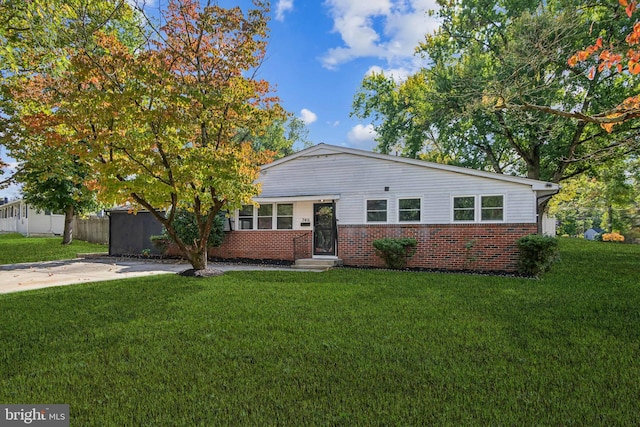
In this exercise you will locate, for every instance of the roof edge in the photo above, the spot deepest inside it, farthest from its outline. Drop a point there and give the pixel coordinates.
(534, 183)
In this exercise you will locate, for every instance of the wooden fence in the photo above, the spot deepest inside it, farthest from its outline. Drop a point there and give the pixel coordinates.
(92, 229)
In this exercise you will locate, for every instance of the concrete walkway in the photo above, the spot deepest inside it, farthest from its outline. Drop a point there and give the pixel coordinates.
(23, 277)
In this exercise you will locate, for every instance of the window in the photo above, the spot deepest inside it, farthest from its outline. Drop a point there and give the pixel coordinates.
(265, 217)
(376, 211)
(492, 208)
(245, 217)
(409, 210)
(285, 217)
(464, 208)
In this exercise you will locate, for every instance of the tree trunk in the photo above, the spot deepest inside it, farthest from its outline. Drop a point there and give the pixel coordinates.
(197, 258)
(67, 234)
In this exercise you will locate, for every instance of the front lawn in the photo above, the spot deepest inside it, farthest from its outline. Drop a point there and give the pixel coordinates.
(345, 347)
(15, 248)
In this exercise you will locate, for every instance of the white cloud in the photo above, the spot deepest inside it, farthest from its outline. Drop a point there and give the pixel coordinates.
(385, 29)
(398, 74)
(282, 7)
(362, 136)
(308, 116)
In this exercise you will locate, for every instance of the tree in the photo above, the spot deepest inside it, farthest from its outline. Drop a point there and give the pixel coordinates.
(498, 70)
(159, 123)
(57, 186)
(607, 197)
(36, 40)
(612, 57)
(279, 138)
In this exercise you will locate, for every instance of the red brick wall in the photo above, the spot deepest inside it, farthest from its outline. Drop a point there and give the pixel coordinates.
(265, 244)
(478, 247)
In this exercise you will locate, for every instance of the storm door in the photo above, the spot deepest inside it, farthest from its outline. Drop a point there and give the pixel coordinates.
(324, 229)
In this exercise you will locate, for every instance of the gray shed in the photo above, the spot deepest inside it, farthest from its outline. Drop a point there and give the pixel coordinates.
(130, 234)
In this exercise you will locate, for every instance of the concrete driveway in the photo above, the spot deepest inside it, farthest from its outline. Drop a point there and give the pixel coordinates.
(23, 277)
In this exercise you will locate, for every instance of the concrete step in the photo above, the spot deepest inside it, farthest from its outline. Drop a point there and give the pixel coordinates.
(317, 263)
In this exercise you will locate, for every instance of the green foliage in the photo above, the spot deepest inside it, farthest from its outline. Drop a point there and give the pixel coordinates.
(281, 137)
(499, 93)
(607, 197)
(344, 347)
(395, 251)
(55, 181)
(187, 228)
(536, 254)
(157, 121)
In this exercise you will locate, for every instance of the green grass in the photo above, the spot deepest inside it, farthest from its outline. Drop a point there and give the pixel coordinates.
(345, 347)
(15, 248)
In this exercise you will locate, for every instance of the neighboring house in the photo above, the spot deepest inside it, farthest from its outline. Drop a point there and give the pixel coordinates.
(591, 233)
(332, 202)
(18, 217)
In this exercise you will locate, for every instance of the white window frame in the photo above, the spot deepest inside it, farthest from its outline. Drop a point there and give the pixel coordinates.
(504, 216)
(258, 216)
(253, 219)
(366, 210)
(477, 208)
(453, 209)
(419, 220)
(276, 216)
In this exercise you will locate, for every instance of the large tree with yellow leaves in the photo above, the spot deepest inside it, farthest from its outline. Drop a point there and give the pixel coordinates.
(158, 122)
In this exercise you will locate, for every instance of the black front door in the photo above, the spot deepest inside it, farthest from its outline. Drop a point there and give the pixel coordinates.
(324, 229)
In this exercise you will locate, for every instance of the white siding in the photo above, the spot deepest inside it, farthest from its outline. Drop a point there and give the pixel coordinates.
(437, 208)
(358, 178)
(34, 222)
(302, 212)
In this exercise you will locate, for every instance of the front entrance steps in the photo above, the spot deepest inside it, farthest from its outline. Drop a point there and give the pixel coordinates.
(321, 264)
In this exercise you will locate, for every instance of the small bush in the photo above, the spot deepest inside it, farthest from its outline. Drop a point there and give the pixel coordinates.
(395, 251)
(612, 237)
(186, 227)
(536, 254)
(632, 237)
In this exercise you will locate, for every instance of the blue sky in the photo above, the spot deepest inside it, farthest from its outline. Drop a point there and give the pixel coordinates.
(319, 52)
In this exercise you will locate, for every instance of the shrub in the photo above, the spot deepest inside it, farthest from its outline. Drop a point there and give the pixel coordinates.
(632, 236)
(395, 251)
(612, 237)
(187, 229)
(536, 254)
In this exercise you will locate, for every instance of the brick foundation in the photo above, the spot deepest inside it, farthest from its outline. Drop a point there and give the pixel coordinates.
(281, 245)
(477, 247)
